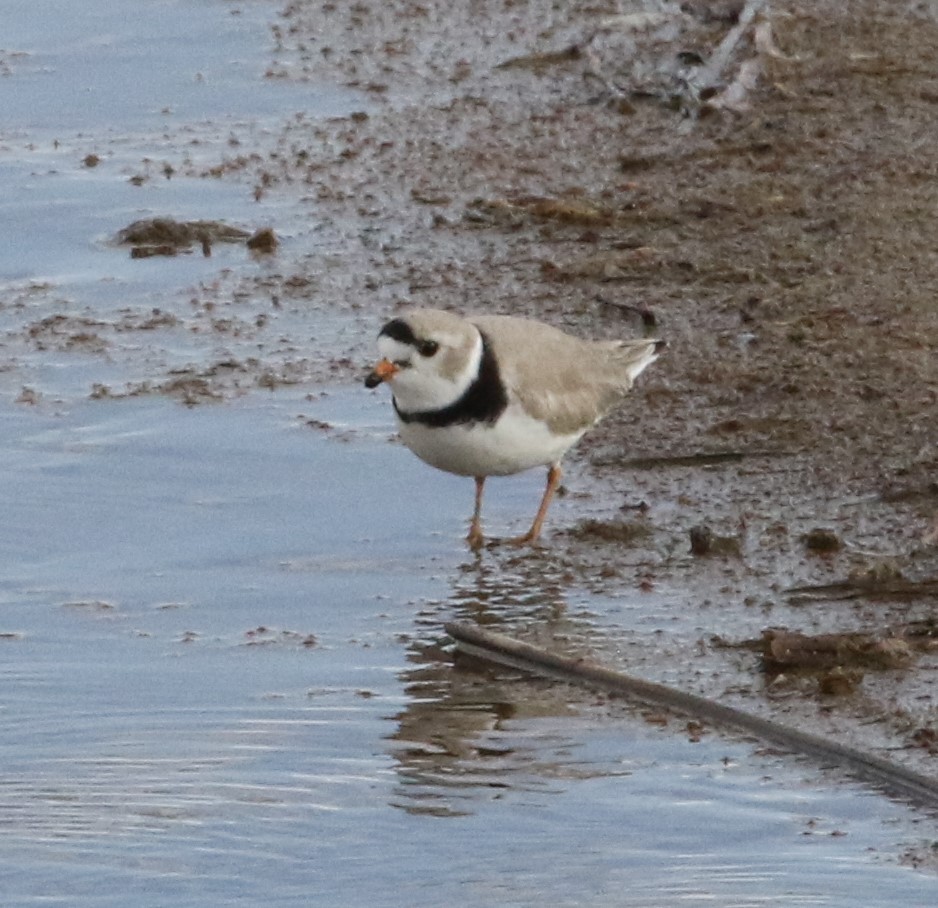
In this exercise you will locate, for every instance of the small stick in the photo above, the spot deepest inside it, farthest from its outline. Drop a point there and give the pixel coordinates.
(710, 75)
(883, 774)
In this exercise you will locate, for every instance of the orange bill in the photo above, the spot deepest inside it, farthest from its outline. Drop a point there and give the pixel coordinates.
(381, 372)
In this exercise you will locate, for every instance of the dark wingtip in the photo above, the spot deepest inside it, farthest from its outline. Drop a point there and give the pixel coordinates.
(660, 345)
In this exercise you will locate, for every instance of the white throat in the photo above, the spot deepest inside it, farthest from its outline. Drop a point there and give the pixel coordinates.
(432, 383)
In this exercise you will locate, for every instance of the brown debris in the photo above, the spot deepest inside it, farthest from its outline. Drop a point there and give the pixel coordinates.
(926, 738)
(862, 588)
(822, 541)
(703, 541)
(263, 241)
(783, 650)
(165, 236)
(538, 62)
(839, 682)
(148, 252)
(625, 532)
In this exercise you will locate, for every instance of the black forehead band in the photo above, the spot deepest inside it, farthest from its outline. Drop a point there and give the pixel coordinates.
(399, 330)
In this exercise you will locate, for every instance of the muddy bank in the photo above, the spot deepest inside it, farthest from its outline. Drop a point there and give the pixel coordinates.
(782, 247)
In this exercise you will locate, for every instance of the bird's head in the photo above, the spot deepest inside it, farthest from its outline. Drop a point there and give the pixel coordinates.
(429, 358)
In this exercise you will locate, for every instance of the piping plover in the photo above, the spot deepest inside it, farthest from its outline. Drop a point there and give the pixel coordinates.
(492, 395)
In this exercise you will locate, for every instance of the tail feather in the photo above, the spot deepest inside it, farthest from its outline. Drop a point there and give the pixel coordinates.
(637, 355)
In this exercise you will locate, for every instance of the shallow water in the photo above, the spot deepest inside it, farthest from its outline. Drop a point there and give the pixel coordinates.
(221, 671)
(221, 681)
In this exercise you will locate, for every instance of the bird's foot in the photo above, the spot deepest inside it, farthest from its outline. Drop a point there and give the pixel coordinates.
(477, 541)
(476, 538)
(529, 538)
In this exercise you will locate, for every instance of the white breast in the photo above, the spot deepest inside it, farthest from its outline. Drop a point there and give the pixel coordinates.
(514, 443)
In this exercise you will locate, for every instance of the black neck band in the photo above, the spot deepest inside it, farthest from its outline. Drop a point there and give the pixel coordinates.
(483, 401)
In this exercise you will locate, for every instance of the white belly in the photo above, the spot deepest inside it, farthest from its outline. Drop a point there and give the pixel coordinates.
(516, 442)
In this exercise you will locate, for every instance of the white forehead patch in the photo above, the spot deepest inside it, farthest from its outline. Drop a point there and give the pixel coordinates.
(391, 349)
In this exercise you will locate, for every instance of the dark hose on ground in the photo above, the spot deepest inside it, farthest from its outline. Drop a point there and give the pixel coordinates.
(887, 776)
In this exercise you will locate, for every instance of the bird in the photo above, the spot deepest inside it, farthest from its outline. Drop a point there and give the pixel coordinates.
(494, 395)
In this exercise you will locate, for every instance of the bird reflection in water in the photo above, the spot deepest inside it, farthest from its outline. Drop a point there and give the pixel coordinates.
(472, 730)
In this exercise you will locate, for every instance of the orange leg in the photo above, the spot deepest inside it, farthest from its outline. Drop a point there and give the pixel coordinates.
(554, 474)
(475, 537)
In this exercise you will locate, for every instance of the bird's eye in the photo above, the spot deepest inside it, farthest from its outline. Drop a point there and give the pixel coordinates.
(402, 363)
(428, 348)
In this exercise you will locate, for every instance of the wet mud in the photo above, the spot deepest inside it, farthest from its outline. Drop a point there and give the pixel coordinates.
(780, 244)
